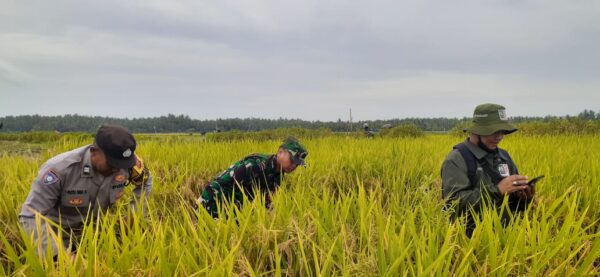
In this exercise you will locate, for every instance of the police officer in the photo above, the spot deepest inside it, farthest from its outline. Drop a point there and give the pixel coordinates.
(256, 175)
(478, 170)
(82, 182)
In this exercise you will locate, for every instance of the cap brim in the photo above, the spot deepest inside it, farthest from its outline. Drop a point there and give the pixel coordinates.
(491, 129)
(121, 163)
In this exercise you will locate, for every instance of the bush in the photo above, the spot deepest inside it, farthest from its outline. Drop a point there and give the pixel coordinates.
(459, 129)
(575, 126)
(43, 137)
(402, 131)
(274, 134)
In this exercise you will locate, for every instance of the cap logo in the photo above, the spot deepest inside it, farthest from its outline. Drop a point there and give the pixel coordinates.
(480, 115)
(502, 114)
(127, 153)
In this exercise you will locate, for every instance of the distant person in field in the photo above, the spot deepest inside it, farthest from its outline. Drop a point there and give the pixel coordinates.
(477, 170)
(256, 175)
(80, 183)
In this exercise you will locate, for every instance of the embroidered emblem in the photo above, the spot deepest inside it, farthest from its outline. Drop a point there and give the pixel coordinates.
(76, 201)
(50, 178)
(503, 170)
(120, 178)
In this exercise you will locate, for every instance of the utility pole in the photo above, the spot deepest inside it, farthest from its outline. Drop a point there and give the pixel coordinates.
(350, 119)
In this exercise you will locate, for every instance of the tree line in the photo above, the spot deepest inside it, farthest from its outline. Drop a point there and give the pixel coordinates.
(182, 123)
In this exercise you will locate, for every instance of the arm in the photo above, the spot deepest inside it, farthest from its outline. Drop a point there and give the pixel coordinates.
(43, 196)
(142, 179)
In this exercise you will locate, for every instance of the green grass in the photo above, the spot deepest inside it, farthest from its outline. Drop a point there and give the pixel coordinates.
(361, 207)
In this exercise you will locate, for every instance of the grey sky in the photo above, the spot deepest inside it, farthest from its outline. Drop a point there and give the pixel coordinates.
(304, 59)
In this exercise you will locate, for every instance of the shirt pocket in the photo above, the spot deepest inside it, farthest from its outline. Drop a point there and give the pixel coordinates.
(116, 192)
(76, 200)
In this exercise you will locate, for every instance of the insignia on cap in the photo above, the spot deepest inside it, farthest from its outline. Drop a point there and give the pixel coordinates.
(127, 153)
(502, 114)
(50, 178)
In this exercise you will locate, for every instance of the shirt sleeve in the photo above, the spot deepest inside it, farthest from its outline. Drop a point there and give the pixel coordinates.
(41, 239)
(142, 193)
(247, 174)
(43, 196)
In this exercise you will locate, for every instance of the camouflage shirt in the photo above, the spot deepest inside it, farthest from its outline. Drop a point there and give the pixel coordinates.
(254, 175)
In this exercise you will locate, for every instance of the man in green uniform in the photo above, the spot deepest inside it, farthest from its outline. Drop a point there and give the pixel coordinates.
(478, 170)
(256, 175)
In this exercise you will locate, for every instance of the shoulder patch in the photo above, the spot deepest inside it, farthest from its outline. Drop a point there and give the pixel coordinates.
(50, 177)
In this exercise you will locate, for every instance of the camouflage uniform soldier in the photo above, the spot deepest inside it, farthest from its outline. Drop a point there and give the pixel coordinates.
(80, 183)
(256, 175)
(477, 170)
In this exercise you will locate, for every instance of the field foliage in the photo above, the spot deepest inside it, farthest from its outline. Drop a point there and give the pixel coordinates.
(362, 207)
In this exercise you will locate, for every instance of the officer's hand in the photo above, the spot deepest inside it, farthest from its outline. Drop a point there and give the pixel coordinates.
(526, 194)
(513, 183)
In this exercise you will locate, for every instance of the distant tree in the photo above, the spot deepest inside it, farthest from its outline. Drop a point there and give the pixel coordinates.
(587, 115)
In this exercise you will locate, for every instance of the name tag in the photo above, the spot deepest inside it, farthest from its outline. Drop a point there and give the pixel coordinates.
(503, 170)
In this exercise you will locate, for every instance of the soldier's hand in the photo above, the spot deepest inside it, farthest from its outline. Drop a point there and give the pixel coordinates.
(513, 183)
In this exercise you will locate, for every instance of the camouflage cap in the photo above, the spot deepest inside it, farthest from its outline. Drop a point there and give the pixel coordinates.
(489, 119)
(297, 150)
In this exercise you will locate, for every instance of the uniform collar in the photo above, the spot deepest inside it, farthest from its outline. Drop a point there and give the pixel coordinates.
(87, 170)
(476, 150)
(502, 155)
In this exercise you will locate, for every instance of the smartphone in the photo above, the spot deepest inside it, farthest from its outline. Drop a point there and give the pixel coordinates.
(533, 181)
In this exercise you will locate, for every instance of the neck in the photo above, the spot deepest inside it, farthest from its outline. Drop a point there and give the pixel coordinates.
(476, 139)
(276, 164)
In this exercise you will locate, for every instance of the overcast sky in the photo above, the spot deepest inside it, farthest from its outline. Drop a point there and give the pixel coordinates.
(309, 59)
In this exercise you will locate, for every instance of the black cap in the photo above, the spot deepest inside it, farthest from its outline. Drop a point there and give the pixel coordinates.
(118, 146)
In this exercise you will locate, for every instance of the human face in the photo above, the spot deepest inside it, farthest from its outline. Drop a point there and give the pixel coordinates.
(492, 141)
(99, 163)
(284, 160)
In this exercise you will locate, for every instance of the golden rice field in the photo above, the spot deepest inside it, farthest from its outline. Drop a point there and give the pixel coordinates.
(362, 207)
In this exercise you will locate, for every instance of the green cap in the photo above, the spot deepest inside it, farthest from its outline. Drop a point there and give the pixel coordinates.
(297, 150)
(489, 119)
